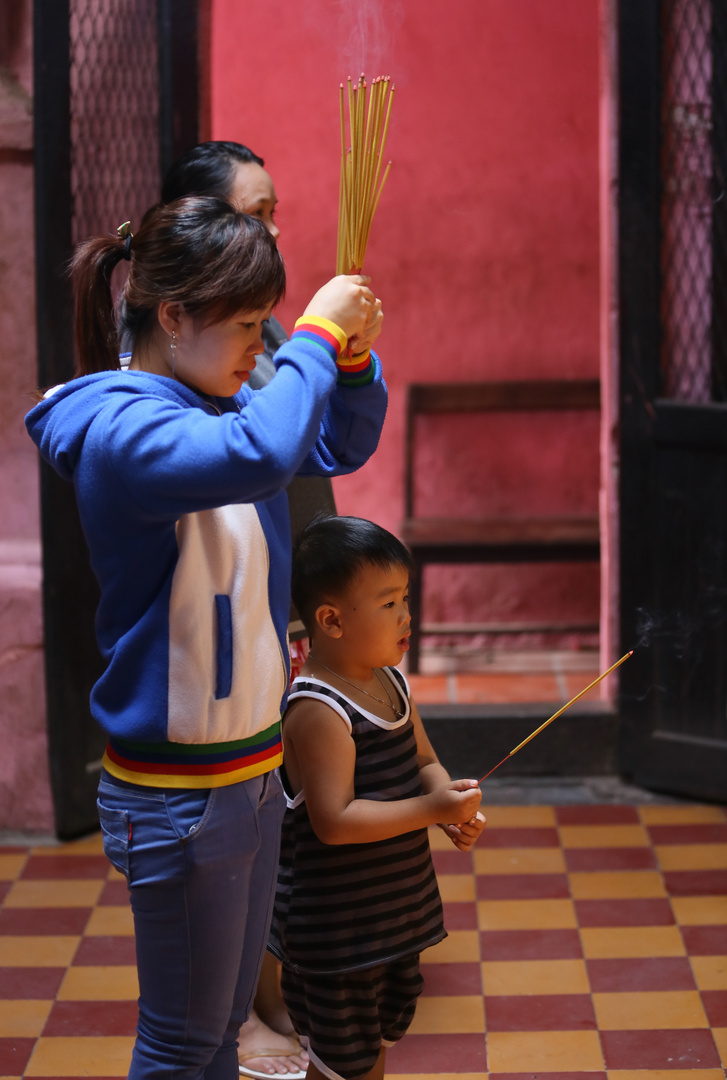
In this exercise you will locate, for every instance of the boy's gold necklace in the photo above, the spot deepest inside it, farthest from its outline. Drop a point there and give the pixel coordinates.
(389, 704)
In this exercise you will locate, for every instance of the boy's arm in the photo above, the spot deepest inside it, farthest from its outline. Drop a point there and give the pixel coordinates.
(322, 758)
(434, 775)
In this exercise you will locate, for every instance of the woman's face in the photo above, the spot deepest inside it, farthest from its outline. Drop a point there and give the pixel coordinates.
(253, 193)
(217, 358)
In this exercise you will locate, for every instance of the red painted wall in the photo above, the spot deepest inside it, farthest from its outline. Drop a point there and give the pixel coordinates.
(485, 246)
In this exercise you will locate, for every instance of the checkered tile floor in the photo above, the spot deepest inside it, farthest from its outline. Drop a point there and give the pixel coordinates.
(585, 943)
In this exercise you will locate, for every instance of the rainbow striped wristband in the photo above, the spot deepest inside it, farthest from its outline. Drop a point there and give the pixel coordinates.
(322, 331)
(352, 370)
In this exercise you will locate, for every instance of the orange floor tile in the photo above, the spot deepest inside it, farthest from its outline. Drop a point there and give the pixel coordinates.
(586, 942)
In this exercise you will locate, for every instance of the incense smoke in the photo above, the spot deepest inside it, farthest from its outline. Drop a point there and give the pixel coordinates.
(367, 29)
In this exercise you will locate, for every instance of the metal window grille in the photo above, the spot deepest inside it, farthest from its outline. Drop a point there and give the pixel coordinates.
(114, 77)
(694, 200)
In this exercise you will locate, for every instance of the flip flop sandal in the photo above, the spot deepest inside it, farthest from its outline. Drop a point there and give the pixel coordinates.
(299, 1074)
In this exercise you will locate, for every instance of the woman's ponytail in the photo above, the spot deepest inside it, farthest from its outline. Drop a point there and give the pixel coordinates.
(97, 342)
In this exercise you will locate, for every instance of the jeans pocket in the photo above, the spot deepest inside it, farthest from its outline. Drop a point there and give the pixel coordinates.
(188, 810)
(115, 828)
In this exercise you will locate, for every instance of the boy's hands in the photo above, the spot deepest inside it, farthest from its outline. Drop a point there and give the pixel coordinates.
(464, 835)
(464, 831)
(348, 302)
(456, 801)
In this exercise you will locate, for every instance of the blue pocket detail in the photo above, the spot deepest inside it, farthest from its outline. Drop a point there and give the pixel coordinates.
(115, 829)
(224, 646)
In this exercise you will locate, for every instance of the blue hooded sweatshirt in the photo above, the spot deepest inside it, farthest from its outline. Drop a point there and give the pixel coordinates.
(182, 501)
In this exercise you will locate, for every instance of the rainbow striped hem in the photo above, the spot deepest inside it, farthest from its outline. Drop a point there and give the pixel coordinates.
(181, 765)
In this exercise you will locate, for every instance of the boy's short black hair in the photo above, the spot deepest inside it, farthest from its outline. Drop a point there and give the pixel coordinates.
(331, 551)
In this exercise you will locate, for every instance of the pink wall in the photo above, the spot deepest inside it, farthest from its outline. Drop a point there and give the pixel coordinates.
(485, 248)
(25, 800)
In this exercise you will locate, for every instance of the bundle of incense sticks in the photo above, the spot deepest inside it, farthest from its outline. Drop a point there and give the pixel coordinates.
(369, 113)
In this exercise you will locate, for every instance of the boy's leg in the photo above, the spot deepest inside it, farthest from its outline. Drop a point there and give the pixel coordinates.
(338, 1018)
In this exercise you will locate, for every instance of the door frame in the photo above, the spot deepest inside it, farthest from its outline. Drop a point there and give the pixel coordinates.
(70, 592)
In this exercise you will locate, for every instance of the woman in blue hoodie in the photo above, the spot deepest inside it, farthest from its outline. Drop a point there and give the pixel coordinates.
(180, 473)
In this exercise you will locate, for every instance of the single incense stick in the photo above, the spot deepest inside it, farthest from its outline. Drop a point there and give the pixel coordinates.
(559, 713)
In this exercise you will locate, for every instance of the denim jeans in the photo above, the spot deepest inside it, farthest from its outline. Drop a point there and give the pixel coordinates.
(201, 867)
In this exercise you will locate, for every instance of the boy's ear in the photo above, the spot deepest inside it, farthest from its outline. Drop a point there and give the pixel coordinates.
(328, 620)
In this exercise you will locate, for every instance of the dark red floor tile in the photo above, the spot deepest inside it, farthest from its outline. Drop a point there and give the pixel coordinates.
(437, 1054)
(40, 921)
(712, 833)
(92, 1018)
(584, 859)
(522, 887)
(31, 983)
(518, 838)
(114, 894)
(640, 974)
(460, 916)
(105, 951)
(597, 815)
(654, 911)
(15, 1055)
(65, 867)
(548, 1076)
(540, 1012)
(686, 1048)
(705, 940)
(11, 849)
(696, 882)
(452, 862)
(715, 1006)
(5, 887)
(530, 945)
(447, 979)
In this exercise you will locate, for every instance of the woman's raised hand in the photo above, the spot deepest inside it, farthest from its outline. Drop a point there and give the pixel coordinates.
(362, 342)
(347, 301)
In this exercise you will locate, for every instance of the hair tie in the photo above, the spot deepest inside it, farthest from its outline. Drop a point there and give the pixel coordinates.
(124, 233)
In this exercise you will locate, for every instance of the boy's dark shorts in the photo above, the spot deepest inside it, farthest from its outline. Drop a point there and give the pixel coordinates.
(345, 1019)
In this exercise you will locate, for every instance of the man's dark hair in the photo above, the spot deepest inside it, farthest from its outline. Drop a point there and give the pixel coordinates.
(329, 554)
(206, 169)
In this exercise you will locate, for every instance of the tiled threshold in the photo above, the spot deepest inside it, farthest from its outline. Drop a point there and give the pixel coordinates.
(504, 676)
(477, 707)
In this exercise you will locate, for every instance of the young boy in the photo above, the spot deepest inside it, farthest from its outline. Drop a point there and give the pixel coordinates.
(357, 899)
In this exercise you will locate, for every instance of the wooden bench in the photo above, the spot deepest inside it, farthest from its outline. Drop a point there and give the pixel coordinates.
(495, 539)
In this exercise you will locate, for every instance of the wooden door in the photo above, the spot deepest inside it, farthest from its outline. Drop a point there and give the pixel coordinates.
(673, 397)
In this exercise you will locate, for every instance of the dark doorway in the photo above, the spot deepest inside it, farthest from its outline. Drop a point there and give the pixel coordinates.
(116, 99)
(673, 405)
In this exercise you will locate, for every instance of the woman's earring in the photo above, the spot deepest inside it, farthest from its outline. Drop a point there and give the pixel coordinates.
(173, 350)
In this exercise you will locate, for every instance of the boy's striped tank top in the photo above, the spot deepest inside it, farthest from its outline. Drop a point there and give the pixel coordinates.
(348, 906)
